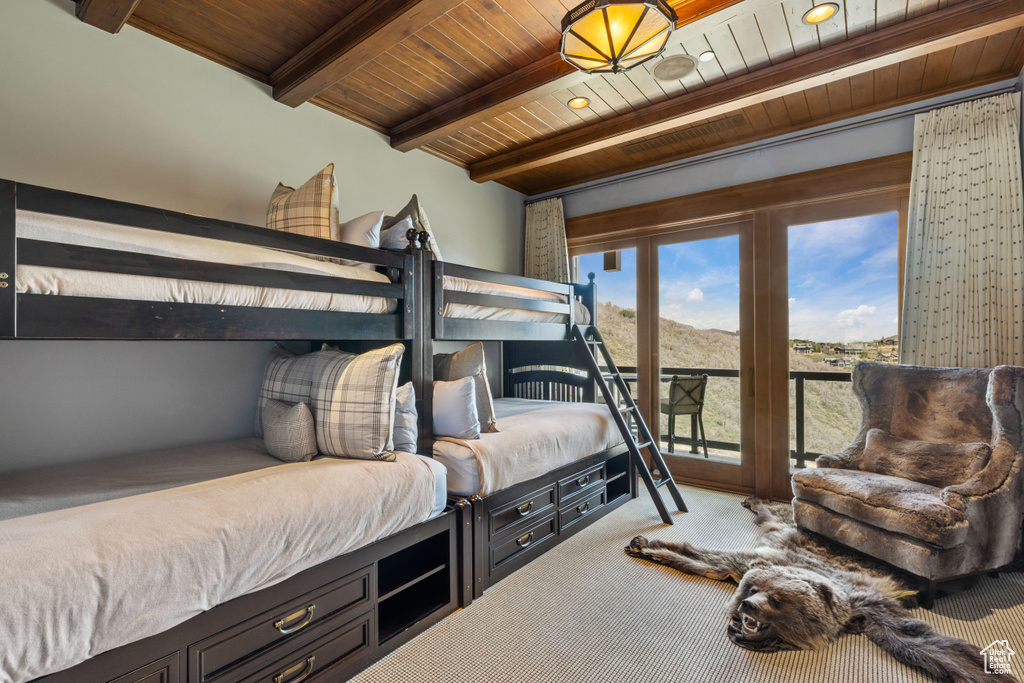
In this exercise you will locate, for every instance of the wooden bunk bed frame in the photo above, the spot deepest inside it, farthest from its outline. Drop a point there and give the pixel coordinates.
(514, 526)
(370, 600)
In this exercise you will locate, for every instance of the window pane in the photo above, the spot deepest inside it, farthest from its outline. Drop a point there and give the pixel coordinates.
(843, 308)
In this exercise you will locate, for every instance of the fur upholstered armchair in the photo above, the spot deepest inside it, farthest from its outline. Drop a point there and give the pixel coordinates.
(934, 483)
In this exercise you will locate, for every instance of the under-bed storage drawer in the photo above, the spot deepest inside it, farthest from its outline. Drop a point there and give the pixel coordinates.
(578, 509)
(529, 507)
(311, 662)
(161, 671)
(523, 541)
(584, 481)
(232, 648)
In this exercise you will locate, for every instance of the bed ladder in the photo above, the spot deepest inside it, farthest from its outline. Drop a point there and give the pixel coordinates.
(591, 343)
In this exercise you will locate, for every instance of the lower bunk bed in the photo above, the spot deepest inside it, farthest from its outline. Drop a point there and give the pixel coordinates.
(553, 469)
(221, 563)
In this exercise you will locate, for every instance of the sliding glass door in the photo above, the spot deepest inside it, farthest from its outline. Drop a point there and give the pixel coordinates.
(704, 345)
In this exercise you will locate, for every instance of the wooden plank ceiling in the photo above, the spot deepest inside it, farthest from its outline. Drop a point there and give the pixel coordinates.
(480, 83)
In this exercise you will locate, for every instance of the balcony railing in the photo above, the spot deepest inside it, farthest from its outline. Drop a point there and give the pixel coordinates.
(800, 455)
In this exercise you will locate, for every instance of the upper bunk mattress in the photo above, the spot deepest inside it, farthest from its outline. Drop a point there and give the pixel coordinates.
(535, 437)
(459, 284)
(95, 284)
(83, 580)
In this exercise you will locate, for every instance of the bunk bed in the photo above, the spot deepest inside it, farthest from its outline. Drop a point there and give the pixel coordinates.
(307, 587)
(558, 463)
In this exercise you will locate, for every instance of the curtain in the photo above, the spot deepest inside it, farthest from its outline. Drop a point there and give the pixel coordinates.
(963, 303)
(547, 254)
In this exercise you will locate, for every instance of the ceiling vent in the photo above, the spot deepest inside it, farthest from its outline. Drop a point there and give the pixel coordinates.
(662, 141)
(674, 68)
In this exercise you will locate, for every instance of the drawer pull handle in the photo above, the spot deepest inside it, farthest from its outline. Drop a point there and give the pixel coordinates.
(583, 508)
(524, 541)
(307, 668)
(525, 508)
(280, 625)
(583, 481)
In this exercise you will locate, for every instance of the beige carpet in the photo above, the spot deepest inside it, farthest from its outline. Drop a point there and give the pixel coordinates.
(586, 611)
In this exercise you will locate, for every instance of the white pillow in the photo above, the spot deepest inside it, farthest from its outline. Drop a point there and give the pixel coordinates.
(418, 216)
(288, 432)
(395, 236)
(354, 405)
(406, 429)
(455, 409)
(363, 231)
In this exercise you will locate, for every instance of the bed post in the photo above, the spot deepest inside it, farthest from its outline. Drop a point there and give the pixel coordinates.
(8, 259)
(422, 344)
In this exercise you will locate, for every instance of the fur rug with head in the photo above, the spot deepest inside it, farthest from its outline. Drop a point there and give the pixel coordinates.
(800, 592)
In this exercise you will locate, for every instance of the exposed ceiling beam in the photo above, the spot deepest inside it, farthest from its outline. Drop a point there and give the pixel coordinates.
(109, 15)
(373, 28)
(939, 30)
(540, 79)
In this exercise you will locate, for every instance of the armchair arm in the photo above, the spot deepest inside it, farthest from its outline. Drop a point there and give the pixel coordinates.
(848, 459)
(996, 475)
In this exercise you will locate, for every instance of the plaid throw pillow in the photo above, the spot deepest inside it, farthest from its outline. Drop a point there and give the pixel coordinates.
(289, 378)
(354, 405)
(289, 431)
(310, 210)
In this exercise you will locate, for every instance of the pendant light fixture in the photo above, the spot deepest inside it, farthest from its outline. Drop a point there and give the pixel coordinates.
(610, 36)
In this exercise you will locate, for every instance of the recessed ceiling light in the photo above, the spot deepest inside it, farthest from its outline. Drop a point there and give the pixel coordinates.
(579, 103)
(706, 56)
(821, 12)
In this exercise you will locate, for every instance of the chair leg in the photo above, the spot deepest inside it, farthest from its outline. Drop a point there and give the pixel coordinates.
(703, 439)
(929, 591)
(672, 433)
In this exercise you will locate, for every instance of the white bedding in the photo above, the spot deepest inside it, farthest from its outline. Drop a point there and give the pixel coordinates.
(82, 580)
(458, 284)
(93, 284)
(535, 437)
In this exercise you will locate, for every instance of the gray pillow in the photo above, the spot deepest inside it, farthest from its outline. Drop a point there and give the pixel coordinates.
(455, 409)
(406, 429)
(469, 362)
(414, 212)
(937, 464)
(288, 432)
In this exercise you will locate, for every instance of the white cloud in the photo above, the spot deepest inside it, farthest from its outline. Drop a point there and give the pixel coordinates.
(792, 301)
(896, 320)
(695, 295)
(855, 317)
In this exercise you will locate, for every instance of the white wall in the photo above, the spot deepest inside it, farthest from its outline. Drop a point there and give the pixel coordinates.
(131, 117)
(792, 156)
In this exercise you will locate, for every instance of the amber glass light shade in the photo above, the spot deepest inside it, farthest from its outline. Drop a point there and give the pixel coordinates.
(609, 36)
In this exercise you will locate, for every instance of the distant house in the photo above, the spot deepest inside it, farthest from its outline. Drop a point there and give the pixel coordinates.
(889, 341)
(849, 350)
(803, 347)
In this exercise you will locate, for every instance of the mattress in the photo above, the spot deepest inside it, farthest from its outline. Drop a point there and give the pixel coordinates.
(94, 284)
(458, 284)
(83, 579)
(535, 437)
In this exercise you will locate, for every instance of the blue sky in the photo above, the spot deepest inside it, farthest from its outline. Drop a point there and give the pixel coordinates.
(842, 280)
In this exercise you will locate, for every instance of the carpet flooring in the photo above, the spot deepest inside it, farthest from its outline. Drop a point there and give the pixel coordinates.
(585, 611)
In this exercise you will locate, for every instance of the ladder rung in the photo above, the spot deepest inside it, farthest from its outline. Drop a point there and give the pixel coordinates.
(645, 444)
(609, 375)
(662, 482)
(627, 409)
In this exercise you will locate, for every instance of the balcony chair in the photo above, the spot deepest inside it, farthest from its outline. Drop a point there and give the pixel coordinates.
(934, 483)
(685, 397)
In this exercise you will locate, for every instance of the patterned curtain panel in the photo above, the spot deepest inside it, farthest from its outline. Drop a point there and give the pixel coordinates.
(547, 254)
(963, 300)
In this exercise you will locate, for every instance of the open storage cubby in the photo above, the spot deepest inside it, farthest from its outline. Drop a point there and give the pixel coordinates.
(412, 583)
(619, 483)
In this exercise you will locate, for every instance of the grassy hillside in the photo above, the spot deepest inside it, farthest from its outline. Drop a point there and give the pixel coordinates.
(832, 413)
